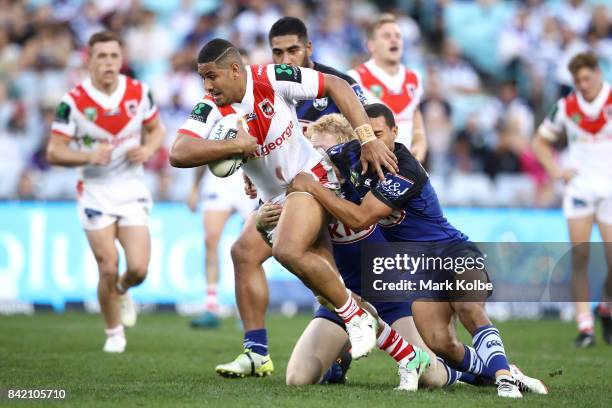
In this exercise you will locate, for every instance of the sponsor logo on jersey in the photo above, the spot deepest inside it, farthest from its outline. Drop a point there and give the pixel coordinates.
(341, 233)
(411, 89)
(266, 108)
(200, 112)
(87, 141)
(320, 104)
(260, 69)
(396, 217)
(250, 116)
(112, 112)
(496, 343)
(284, 72)
(91, 113)
(377, 91)
(131, 107)
(576, 117)
(62, 114)
(395, 186)
(266, 149)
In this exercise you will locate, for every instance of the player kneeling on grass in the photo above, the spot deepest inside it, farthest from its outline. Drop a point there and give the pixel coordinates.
(408, 207)
(325, 338)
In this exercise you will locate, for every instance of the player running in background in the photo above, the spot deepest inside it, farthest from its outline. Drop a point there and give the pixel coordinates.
(276, 152)
(407, 208)
(219, 202)
(384, 79)
(290, 44)
(585, 117)
(109, 126)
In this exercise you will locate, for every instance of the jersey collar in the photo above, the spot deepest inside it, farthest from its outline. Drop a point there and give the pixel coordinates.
(593, 108)
(102, 99)
(393, 82)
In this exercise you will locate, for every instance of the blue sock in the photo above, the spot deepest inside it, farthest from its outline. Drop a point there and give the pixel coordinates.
(490, 349)
(472, 364)
(256, 341)
(335, 375)
(452, 375)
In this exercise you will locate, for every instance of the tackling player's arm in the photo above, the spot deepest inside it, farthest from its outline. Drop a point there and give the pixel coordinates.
(419, 141)
(356, 217)
(547, 134)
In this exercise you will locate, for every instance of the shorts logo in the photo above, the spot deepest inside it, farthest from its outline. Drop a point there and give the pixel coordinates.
(394, 186)
(492, 343)
(284, 72)
(91, 213)
(91, 113)
(320, 104)
(200, 112)
(266, 108)
(131, 107)
(578, 202)
(62, 114)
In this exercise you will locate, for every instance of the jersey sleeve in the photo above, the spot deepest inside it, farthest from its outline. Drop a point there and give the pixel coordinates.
(64, 123)
(150, 108)
(552, 126)
(396, 189)
(296, 83)
(203, 117)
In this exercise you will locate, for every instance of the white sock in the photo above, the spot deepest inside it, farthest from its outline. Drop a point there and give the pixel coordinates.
(115, 331)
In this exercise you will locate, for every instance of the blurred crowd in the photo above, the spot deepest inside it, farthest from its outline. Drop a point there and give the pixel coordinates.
(492, 69)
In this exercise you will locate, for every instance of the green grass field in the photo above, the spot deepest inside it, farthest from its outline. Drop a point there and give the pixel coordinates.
(168, 364)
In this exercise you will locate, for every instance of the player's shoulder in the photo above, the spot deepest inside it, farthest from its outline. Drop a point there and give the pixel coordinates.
(408, 164)
(332, 71)
(203, 109)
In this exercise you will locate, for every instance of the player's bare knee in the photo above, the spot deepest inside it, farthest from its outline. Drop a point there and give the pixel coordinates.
(108, 270)
(137, 274)
(241, 251)
(306, 375)
(287, 255)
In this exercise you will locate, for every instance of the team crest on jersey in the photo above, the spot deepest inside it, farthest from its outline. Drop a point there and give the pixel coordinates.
(320, 104)
(91, 113)
(131, 107)
(377, 91)
(266, 108)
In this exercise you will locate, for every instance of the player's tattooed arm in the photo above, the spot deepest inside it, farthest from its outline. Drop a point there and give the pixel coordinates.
(373, 152)
(357, 217)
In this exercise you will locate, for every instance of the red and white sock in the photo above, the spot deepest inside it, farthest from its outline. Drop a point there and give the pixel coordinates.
(212, 301)
(349, 310)
(585, 322)
(115, 331)
(393, 344)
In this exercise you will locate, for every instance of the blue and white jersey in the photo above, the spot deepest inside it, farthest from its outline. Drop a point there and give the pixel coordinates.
(417, 215)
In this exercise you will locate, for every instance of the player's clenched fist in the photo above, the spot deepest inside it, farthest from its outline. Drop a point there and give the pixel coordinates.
(138, 155)
(267, 216)
(101, 156)
(246, 142)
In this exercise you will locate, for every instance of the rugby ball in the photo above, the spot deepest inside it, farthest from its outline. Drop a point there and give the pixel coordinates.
(225, 129)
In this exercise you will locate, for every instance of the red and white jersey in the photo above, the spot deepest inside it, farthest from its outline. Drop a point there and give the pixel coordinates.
(588, 126)
(269, 109)
(400, 92)
(90, 117)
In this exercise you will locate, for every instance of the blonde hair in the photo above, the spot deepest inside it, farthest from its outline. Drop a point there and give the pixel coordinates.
(335, 124)
(379, 22)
